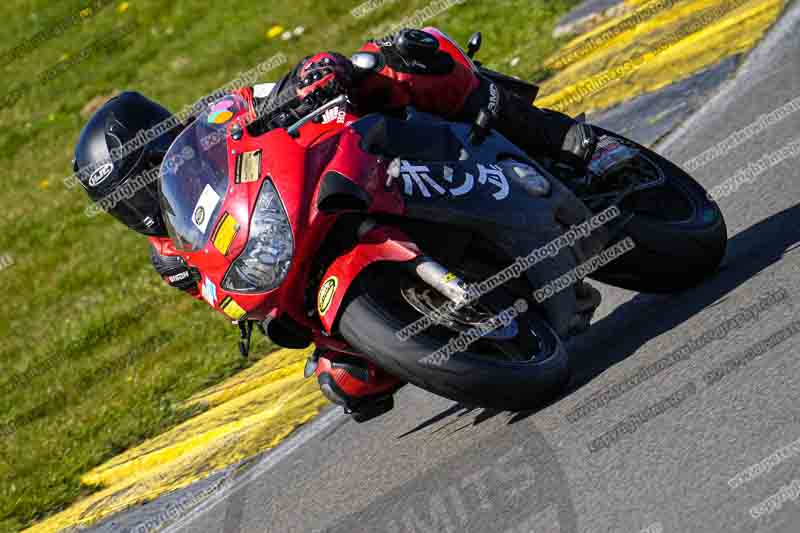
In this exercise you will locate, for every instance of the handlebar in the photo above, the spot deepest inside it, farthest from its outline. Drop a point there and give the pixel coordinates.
(294, 129)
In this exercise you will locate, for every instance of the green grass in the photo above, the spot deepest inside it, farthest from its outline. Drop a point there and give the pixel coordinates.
(96, 352)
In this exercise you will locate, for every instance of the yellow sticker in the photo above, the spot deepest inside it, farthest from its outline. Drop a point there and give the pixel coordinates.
(232, 309)
(326, 294)
(449, 277)
(225, 233)
(248, 167)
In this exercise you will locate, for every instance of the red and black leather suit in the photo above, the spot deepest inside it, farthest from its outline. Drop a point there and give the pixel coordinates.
(437, 84)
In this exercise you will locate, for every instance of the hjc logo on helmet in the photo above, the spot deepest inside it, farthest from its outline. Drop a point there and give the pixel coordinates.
(100, 175)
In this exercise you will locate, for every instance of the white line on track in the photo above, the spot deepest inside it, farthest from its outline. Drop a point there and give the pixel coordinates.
(272, 458)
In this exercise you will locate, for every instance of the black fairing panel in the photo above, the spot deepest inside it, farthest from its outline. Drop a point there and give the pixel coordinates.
(482, 193)
(338, 193)
(420, 140)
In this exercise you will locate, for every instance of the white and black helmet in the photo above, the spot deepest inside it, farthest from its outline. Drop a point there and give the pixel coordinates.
(118, 156)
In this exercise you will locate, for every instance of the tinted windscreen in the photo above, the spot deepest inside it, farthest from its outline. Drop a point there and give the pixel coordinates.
(194, 175)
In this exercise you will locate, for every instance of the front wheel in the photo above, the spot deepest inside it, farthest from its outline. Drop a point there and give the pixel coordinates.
(680, 234)
(515, 367)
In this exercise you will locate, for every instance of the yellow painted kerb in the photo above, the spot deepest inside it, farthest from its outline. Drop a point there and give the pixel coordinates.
(669, 46)
(248, 414)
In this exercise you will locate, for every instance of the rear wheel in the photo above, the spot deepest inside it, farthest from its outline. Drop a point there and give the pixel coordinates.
(680, 234)
(516, 366)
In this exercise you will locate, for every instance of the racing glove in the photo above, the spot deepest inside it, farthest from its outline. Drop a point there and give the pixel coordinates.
(314, 81)
(413, 67)
(174, 271)
(324, 76)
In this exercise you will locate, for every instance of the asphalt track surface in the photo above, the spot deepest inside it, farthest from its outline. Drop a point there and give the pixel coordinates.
(691, 423)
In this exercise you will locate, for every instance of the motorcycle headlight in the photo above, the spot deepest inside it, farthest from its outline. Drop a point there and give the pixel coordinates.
(265, 261)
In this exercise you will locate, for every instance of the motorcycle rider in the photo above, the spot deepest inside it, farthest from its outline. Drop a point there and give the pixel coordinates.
(386, 74)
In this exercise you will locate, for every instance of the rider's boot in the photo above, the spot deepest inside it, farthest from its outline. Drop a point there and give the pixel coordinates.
(361, 388)
(540, 132)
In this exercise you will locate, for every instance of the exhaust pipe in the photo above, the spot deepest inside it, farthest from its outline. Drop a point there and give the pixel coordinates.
(448, 284)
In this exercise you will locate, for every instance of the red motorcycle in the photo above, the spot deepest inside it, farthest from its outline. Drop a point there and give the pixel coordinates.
(344, 230)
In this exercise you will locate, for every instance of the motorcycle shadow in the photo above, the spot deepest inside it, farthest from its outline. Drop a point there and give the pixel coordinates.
(455, 413)
(619, 335)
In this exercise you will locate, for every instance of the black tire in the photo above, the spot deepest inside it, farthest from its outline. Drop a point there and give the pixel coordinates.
(374, 312)
(680, 234)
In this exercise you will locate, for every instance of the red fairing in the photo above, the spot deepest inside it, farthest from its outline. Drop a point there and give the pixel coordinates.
(380, 244)
(365, 170)
(297, 166)
(443, 94)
